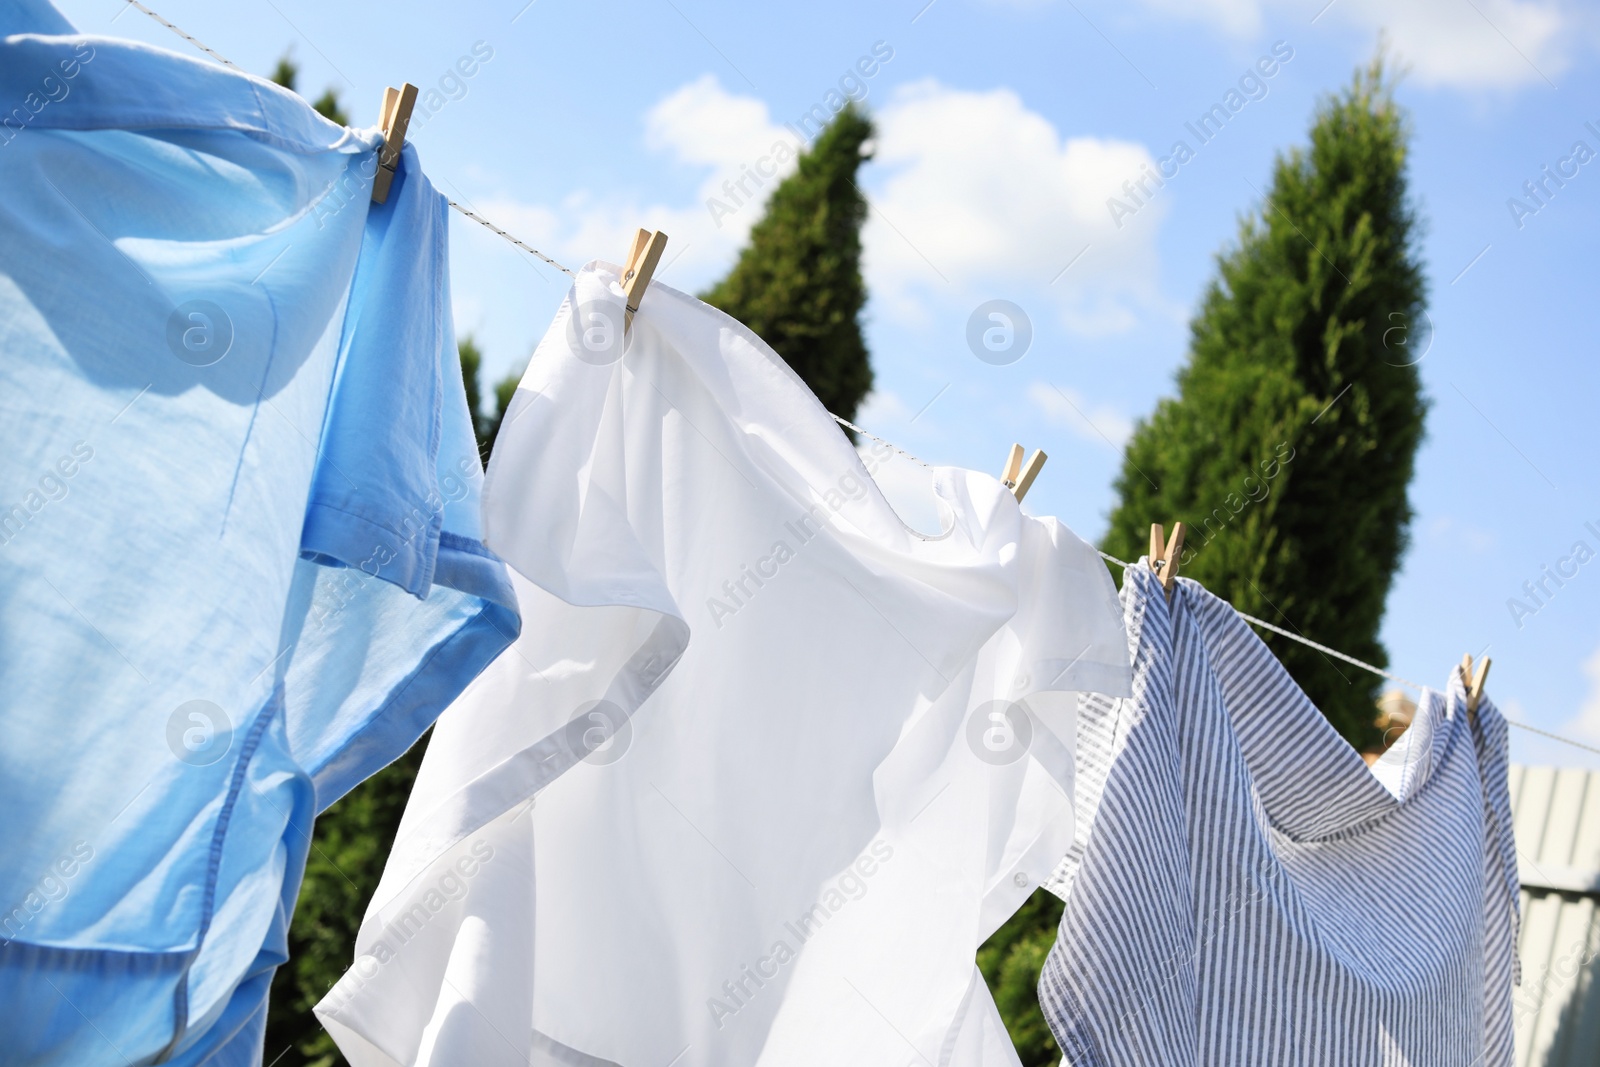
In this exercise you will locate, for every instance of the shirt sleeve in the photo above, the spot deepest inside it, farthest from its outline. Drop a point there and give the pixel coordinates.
(399, 603)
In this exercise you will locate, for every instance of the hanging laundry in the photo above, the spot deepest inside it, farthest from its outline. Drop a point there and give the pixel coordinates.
(1245, 891)
(240, 562)
(764, 767)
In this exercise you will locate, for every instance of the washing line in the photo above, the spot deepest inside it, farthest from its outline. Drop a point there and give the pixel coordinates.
(192, 40)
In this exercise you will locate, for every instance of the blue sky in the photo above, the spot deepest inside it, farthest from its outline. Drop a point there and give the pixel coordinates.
(1003, 129)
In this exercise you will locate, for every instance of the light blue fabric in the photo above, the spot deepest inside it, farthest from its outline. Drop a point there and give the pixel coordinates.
(240, 563)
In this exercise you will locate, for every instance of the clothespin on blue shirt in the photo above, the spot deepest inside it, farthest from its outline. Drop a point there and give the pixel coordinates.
(394, 118)
(638, 269)
(1474, 681)
(1164, 554)
(1016, 477)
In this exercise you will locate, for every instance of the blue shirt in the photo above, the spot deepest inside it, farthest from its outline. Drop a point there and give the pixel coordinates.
(240, 560)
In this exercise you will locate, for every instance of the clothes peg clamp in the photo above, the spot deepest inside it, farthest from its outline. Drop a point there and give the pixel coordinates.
(1017, 477)
(394, 118)
(1164, 554)
(1473, 681)
(643, 257)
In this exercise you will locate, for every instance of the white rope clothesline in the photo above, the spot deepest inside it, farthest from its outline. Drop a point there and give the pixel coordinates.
(469, 213)
(192, 40)
(486, 224)
(1368, 666)
(492, 228)
(1296, 637)
(847, 424)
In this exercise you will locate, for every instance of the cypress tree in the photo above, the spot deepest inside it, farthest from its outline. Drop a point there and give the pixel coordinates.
(504, 390)
(1291, 443)
(797, 283)
(287, 74)
(327, 105)
(471, 363)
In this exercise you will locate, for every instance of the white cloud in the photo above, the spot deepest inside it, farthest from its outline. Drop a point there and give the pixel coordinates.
(1493, 44)
(700, 124)
(981, 186)
(1068, 408)
(1449, 530)
(882, 407)
(985, 198)
(1501, 44)
(704, 123)
(1587, 722)
(1241, 18)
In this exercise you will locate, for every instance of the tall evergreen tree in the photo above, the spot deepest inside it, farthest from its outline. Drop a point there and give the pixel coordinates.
(504, 390)
(1291, 443)
(287, 74)
(485, 424)
(471, 363)
(798, 284)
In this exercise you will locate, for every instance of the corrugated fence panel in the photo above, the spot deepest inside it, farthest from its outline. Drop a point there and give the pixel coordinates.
(1557, 818)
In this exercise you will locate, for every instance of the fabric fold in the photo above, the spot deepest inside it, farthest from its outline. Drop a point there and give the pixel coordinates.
(781, 743)
(241, 566)
(1226, 886)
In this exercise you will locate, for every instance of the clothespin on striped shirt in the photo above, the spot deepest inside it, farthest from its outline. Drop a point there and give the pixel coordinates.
(1164, 554)
(638, 269)
(1474, 681)
(1019, 478)
(394, 117)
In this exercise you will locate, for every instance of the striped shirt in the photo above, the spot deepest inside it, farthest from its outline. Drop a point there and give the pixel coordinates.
(1243, 890)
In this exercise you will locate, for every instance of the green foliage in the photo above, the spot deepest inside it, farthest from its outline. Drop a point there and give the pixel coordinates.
(349, 847)
(504, 389)
(327, 105)
(471, 363)
(485, 425)
(287, 74)
(1011, 961)
(798, 284)
(1291, 443)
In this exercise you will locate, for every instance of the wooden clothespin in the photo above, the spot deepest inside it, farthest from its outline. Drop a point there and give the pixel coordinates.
(1474, 681)
(1164, 554)
(638, 269)
(395, 117)
(1016, 477)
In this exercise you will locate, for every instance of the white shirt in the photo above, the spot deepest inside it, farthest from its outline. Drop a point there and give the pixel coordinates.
(793, 760)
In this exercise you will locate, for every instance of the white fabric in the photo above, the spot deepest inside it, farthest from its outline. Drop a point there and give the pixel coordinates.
(775, 842)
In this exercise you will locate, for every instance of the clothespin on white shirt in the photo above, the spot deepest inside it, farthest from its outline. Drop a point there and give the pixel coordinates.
(1016, 477)
(395, 117)
(1164, 554)
(638, 269)
(1474, 681)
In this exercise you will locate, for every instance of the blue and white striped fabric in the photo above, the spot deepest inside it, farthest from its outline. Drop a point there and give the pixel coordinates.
(1244, 890)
